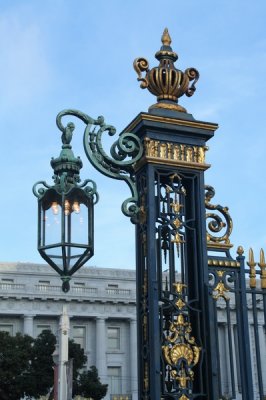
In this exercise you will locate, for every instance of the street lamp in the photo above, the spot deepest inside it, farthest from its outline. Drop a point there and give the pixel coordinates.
(65, 214)
(65, 210)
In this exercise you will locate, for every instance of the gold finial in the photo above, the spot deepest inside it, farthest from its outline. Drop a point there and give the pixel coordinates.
(166, 38)
(165, 81)
(240, 251)
(262, 266)
(251, 262)
(252, 274)
(262, 257)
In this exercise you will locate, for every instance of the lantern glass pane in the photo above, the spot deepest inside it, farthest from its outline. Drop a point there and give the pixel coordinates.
(51, 225)
(72, 255)
(77, 229)
(56, 257)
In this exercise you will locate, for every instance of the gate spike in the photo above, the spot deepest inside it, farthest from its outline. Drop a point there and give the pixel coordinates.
(251, 263)
(262, 266)
(262, 257)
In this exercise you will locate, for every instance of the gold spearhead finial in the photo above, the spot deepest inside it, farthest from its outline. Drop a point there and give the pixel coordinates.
(252, 274)
(262, 266)
(262, 257)
(166, 38)
(251, 262)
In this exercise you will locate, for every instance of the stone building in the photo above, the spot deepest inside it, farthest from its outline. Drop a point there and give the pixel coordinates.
(102, 309)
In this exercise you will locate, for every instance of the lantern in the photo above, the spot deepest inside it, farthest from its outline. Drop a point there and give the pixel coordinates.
(65, 214)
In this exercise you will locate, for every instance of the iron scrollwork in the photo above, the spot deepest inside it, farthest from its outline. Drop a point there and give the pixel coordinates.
(124, 153)
(219, 228)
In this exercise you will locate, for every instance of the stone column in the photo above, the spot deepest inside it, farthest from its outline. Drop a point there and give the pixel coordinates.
(100, 335)
(64, 327)
(133, 359)
(28, 325)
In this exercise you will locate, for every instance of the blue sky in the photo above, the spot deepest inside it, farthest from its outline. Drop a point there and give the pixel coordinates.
(78, 54)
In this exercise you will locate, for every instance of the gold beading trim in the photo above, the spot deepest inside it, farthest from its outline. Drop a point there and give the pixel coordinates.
(223, 263)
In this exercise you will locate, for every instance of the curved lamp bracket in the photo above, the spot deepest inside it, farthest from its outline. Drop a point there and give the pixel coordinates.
(124, 153)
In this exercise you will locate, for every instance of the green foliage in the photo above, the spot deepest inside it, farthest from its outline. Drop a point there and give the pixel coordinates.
(15, 357)
(90, 385)
(41, 371)
(86, 383)
(26, 368)
(78, 355)
(79, 361)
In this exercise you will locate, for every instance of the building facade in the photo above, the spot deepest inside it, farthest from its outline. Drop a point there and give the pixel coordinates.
(101, 305)
(102, 308)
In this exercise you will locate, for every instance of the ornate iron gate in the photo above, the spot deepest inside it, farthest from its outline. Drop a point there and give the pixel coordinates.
(238, 294)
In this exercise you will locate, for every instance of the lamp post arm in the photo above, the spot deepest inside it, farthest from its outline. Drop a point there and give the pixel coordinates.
(124, 153)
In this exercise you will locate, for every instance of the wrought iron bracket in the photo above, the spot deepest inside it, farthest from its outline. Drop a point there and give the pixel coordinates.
(124, 153)
(89, 187)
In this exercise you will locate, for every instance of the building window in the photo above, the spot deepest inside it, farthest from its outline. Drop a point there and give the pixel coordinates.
(79, 335)
(114, 380)
(6, 328)
(40, 328)
(112, 286)
(113, 338)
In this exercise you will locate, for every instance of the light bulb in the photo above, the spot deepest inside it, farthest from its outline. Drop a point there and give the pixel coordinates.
(76, 207)
(55, 207)
(67, 207)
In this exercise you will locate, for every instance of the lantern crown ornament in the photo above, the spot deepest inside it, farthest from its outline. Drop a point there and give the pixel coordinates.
(66, 167)
(166, 81)
(65, 213)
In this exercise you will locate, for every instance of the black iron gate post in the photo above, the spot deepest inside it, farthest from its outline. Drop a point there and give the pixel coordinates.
(178, 353)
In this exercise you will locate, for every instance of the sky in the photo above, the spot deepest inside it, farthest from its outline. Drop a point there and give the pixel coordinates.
(59, 54)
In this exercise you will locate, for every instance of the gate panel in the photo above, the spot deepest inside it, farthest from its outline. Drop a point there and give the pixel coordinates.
(238, 296)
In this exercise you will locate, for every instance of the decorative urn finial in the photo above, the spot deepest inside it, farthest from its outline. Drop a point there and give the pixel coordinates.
(66, 166)
(165, 81)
